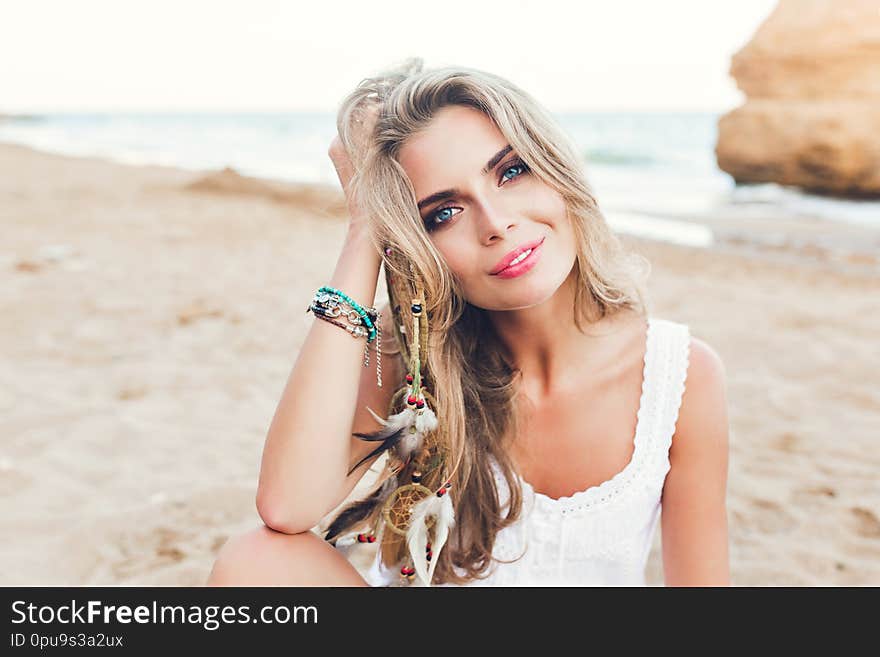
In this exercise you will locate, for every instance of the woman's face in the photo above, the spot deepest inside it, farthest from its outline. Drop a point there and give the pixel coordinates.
(483, 215)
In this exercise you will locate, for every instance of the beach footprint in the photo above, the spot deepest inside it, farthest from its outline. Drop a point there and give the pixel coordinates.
(170, 538)
(787, 442)
(867, 523)
(768, 517)
(146, 551)
(814, 496)
(196, 310)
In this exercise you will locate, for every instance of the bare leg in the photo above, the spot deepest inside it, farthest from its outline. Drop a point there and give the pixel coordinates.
(264, 557)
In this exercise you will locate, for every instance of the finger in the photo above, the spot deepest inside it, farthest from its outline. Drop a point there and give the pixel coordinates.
(344, 168)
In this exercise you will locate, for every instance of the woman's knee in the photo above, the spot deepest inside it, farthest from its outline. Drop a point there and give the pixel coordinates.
(264, 557)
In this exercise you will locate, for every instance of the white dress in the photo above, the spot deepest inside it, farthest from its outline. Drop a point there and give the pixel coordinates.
(600, 536)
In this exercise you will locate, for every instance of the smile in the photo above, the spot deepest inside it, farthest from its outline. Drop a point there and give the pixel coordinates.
(523, 263)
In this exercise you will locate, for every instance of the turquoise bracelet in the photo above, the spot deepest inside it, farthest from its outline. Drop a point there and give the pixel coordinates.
(363, 313)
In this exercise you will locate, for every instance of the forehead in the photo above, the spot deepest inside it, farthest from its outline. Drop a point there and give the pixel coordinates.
(458, 141)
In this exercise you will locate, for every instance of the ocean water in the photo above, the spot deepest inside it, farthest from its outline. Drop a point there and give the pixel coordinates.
(654, 174)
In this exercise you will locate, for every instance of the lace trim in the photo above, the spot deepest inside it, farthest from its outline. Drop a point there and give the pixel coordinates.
(609, 488)
(676, 386)
(662, 380)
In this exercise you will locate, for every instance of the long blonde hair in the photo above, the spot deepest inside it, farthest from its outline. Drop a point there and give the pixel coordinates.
(473, 385)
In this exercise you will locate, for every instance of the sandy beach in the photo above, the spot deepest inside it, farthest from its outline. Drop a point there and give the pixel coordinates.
(152, 316)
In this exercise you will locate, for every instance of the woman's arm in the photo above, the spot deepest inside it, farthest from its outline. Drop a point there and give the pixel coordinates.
(307, 451)
(308, 447)
(694, 520)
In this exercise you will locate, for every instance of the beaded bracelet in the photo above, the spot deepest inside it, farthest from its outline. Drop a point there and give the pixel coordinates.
(321, 313)
(322, 310)
(332, 308)
(328, 291)
(355, 305)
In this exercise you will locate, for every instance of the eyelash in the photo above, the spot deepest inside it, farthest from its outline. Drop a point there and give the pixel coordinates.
(432, 225)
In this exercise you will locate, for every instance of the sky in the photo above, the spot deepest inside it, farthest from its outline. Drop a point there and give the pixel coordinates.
(273, 55)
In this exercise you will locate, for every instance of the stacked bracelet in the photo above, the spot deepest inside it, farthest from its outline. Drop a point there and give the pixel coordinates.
(323, 313)
(328, 304)
(369, 318)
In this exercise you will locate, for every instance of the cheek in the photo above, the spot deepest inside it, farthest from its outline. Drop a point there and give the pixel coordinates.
(464, 264)
(555, 210)
(545, 205)
(459, 261)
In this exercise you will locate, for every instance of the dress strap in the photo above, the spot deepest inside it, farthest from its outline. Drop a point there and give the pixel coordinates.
(667, 382)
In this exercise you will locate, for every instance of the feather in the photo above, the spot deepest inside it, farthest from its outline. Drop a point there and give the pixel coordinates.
(414, 435)
(426, 420)
(410, 442)
(417, 535)
(390, 426)
(390, 484)
(393, 429)
(444, 520)
(345, 541)
(353, 513)
(358, 511)
(441, 509)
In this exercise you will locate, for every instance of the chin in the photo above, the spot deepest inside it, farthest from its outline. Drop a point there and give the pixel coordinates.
(524, 292)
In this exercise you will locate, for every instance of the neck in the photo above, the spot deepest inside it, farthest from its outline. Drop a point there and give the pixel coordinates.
(544, 342)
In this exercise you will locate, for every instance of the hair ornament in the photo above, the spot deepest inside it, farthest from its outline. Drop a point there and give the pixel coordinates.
(417, 514)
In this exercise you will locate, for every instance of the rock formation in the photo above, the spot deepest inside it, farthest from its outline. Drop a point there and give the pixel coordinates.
(811, 76)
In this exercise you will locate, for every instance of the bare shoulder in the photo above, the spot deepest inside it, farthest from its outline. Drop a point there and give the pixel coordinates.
(703, 410)
(700, 443)
(695, 551)
(705, 366)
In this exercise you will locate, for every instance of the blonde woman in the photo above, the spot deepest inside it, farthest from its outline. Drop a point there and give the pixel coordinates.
(571, 420)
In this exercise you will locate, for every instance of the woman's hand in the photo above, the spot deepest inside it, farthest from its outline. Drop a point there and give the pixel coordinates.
(345, 169)
(342, 162)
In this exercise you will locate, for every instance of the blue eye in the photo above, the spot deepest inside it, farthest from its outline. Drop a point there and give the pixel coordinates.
(519, 165)
(434, 221)
(438, 219)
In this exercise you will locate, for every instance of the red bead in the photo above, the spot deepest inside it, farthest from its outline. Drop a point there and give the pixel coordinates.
(371, 539)
(361, 538)
(441, 492)
(420, 403)
(411, 399)
(409, 378)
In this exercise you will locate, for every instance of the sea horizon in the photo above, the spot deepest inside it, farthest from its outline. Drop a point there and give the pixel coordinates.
(653, 172)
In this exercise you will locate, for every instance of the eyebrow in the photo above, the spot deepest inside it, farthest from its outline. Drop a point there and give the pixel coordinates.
(449, 193)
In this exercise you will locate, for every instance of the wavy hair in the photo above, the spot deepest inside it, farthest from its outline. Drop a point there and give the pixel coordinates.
(473, 384)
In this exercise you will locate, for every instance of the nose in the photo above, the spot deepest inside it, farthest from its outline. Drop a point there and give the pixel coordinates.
(495, 221)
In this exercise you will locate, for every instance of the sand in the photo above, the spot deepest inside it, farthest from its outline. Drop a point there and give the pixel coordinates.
(153, 314)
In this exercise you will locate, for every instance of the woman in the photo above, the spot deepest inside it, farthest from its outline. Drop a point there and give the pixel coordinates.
(537, 414)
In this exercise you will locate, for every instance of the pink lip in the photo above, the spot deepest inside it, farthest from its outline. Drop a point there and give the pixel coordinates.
(504, 263)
